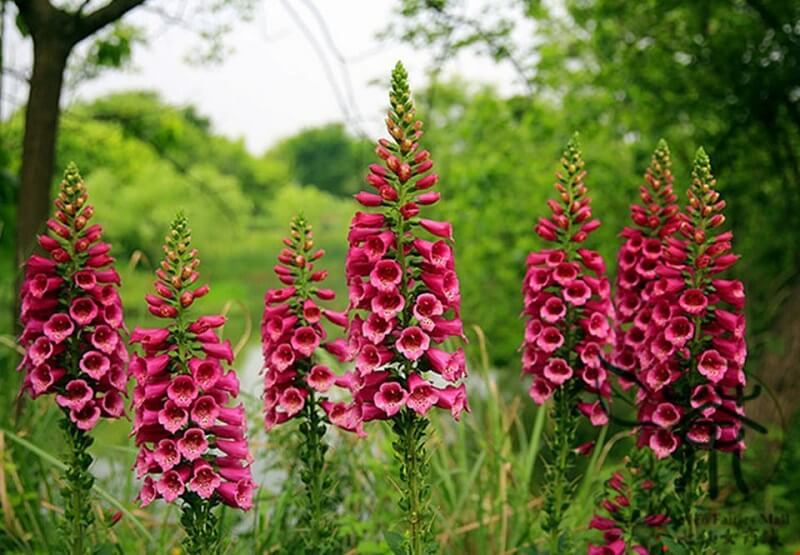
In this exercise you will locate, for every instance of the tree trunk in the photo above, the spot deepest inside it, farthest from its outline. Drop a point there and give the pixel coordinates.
(50, 54)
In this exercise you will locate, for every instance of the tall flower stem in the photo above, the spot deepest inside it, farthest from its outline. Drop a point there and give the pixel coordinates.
(292, 327)
(568, 312)
(410, 428)
(316, 518)
(183, 390)
(411, 431)
(78, 515)
(690, 489)
(201, 526)
(560, 487)
(404, 300)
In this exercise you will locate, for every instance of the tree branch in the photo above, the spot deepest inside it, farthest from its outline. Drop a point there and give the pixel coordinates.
(96, 20)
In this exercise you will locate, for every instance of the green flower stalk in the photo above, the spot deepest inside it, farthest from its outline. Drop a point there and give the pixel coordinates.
(404, 300)
(634, 506)
(567, 332)
(72, 317)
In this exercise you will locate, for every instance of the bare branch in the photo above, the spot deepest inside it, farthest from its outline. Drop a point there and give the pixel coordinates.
(96, 20)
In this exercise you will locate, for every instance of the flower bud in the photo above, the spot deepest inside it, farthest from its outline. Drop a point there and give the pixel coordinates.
(426, 199)
(404, 172)
(368, 199)
(393, 163)
(376, 180)
(388, 193)
(427, 182)
(409, 210)
(186, 299)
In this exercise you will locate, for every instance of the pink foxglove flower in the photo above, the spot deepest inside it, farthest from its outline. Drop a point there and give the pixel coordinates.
(404, 294)
(190, 432)
(404, 303)
(567, 306)
(691, 353)
(567, 332)
(72, 318)
(295, 382)
(655, 220)
(292, 331)
(72, 315)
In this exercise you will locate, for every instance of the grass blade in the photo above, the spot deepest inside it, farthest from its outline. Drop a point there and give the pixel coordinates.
(116, 503)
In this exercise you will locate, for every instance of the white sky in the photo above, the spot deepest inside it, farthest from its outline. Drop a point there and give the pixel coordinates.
(273, 83)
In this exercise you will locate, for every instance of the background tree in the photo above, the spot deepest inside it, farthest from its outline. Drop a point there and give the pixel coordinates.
(327, 157)
(56, 30)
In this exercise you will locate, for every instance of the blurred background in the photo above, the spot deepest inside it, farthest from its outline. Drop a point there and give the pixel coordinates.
(246, 112)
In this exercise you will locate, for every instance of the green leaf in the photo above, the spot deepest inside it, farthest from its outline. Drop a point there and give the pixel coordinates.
(104, 549)
(395, 541)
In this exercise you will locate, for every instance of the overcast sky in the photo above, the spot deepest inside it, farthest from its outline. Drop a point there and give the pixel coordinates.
(273, 83)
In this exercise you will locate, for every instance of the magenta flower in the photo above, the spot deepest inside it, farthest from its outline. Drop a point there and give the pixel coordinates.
(567, 302)
(86, 417)
(193, 444)
(292, 332)
(292, 400)
(294, 382)
(172, 417)
(76, 394)
(204, 480)
(58, 328)
(422, 395)
(691, 351)
(72, 349)
(397, 318)
(412, 343)
(206, 373)
(390, 398)
(170, 486)
(320, 378)
(205, 411)
(237, 494)
(113, 403)
(404, 302)
(183, 422)
(182, 391)
(645, 246)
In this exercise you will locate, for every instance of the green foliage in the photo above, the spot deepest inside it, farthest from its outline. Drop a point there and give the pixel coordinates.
(8, 197)
(317, 523)
(497, 158)
(413, 462)
(78, 480)
(719, 74)
(560, 485)
(111, 48)
(201, 525)
(690, 489)
(326, 157)
(614, 70)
